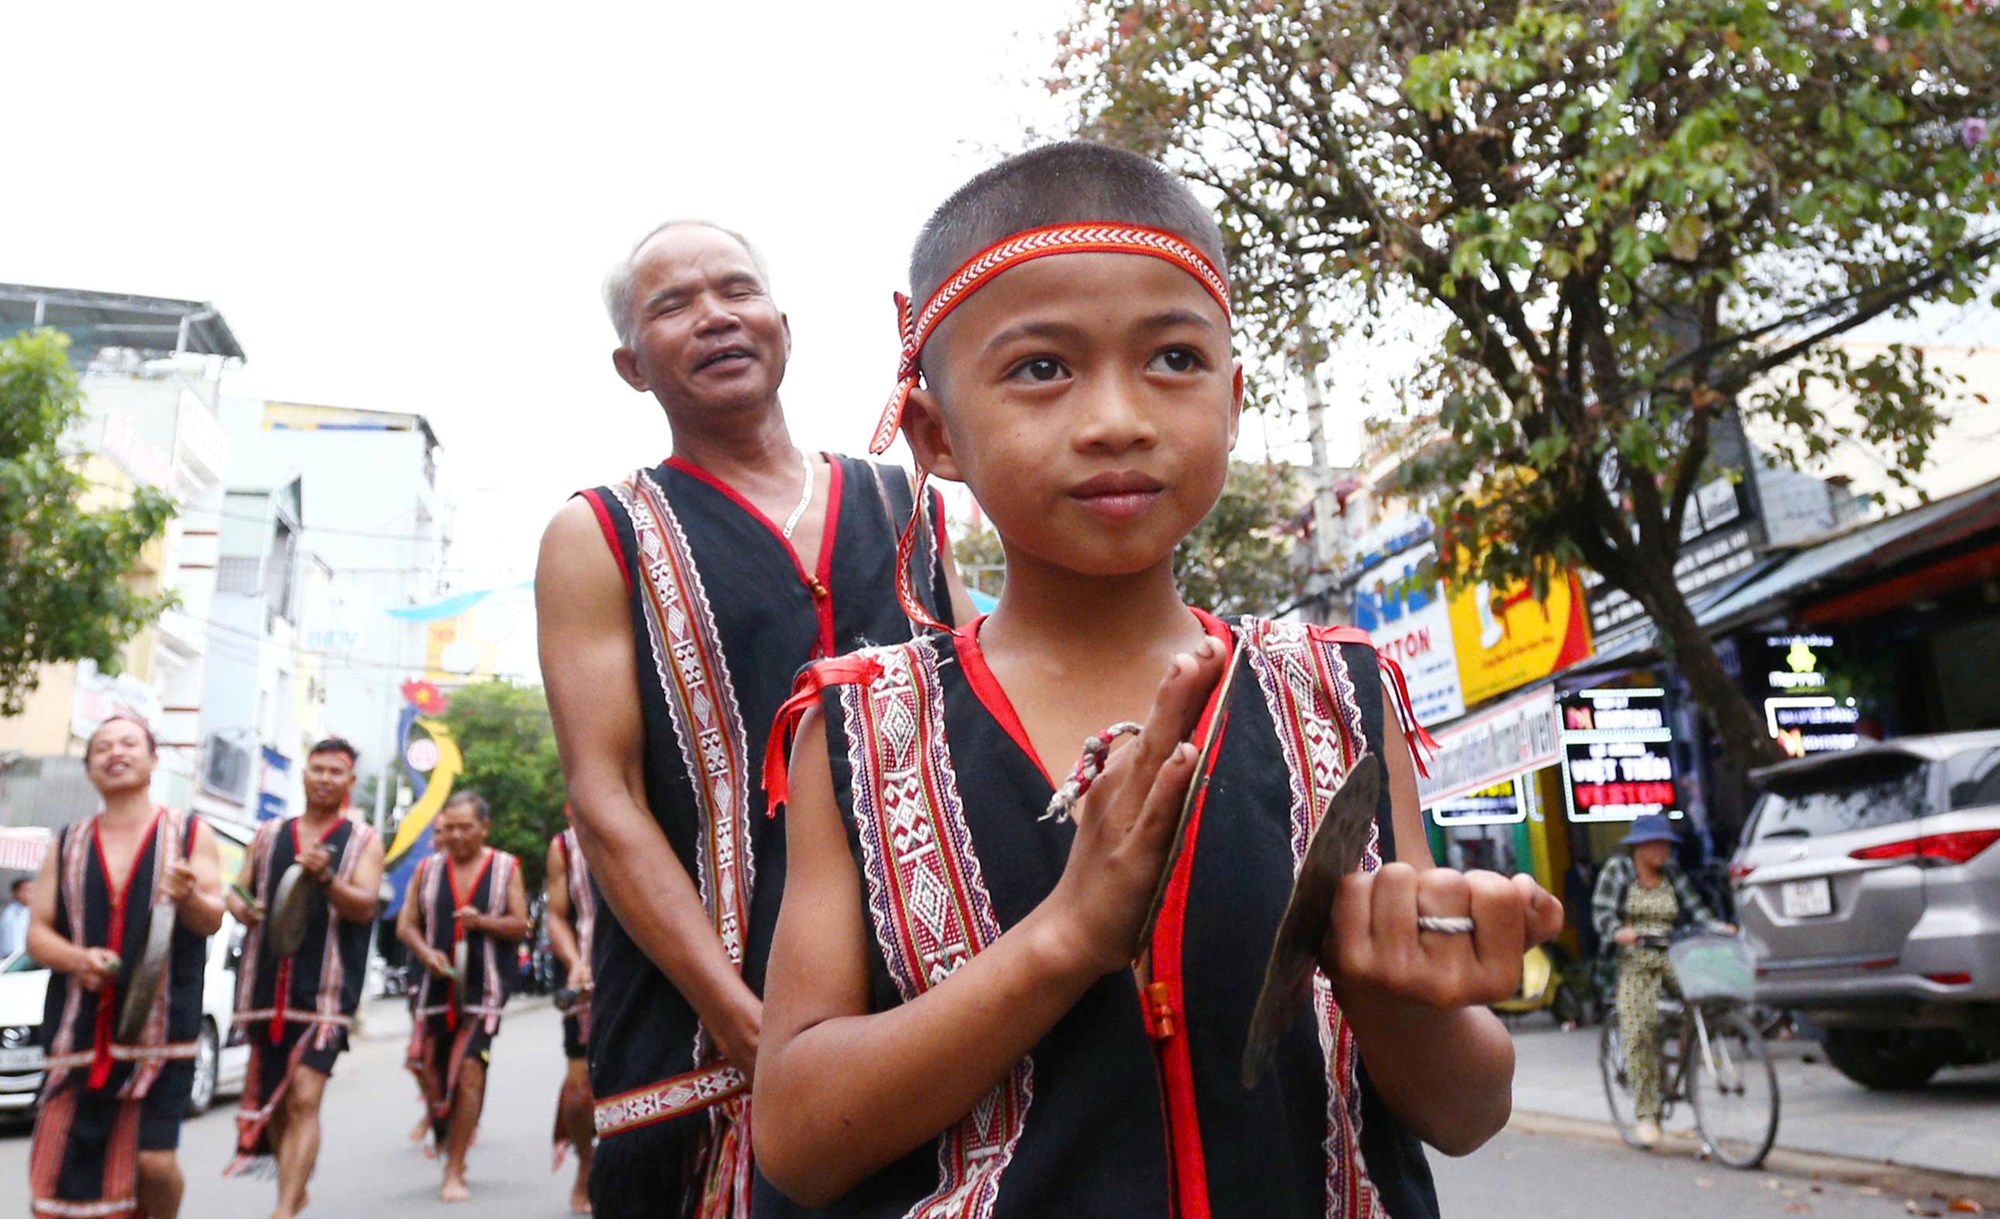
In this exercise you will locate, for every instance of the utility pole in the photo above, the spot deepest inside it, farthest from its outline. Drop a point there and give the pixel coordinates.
(1324, 506)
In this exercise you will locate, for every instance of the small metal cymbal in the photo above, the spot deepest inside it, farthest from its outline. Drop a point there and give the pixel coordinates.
(291, 906)
(149, 974)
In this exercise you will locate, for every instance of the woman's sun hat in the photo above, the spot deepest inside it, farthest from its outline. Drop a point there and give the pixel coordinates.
(1650, 827)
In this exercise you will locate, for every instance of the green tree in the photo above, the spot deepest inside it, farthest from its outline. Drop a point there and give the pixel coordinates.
(1242, 559)
(1638, 221)
(1246, 555)
(65, 570)
(982, 561)
(503, 732)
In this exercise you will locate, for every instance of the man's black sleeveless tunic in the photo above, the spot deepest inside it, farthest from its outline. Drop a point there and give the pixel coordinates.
(475, 999)
(1114, 1112)
(104, 1099)
(320, 983)
(769, 618)
(319, 989)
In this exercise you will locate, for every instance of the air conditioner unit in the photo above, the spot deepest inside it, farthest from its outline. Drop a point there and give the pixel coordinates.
(226, 769)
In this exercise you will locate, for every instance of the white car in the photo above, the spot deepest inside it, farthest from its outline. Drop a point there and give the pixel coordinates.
(218, 1066)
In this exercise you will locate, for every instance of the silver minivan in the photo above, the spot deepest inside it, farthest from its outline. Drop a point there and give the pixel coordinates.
(1868, 883)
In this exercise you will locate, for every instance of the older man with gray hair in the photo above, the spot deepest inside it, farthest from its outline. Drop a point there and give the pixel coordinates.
(675, 607)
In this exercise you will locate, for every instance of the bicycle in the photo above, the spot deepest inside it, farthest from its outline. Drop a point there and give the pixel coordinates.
(1711, 1054)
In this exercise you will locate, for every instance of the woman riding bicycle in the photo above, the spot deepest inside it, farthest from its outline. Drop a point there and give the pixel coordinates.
(1641, 900)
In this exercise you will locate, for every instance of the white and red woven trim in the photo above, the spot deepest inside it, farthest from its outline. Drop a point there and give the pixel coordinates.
(1317, 713)
(927, 895)
(702, 704)
(668, 1099)
(1091, 237)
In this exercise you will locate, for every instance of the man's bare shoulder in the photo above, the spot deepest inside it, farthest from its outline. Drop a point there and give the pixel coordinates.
(575, 554)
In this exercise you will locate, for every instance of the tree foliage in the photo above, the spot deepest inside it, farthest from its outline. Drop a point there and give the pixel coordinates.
(1244, 557)
(982, 560)
(65, 591)
(1639, 222)
(503, 731)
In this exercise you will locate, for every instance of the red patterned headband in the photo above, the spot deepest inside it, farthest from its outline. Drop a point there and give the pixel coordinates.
(1095, 237)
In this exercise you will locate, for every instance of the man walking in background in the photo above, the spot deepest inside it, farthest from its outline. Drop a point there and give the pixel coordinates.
(570, 914)
(14, 919)
(296, 1008)
(466, 911)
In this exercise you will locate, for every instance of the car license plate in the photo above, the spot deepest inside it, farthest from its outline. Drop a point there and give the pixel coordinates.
(28, 1058)
(1806, 898)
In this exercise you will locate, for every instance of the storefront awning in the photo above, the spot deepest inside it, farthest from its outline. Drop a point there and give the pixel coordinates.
(22, 847)
(1865, 569)
(1863, 552)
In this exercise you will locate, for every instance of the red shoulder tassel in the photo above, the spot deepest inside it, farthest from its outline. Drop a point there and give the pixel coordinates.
(1422, 745)
(807, 687)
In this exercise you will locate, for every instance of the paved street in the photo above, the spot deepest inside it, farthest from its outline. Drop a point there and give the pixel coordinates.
(1953, 1125)
(366, 1167)
(1543, 1168)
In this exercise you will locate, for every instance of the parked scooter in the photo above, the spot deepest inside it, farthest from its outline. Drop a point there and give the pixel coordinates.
(1546, 985)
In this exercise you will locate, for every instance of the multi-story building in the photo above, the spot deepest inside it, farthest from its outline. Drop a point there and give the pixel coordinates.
(377, 529)
(259, 712)
(152, 371)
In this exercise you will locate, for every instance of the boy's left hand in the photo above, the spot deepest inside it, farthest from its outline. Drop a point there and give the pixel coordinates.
(1374, 942)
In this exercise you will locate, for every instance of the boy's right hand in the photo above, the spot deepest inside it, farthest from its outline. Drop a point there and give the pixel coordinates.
(1125, 824)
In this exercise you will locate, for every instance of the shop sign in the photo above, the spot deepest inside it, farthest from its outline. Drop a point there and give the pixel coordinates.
(1795, 663)
(1506, 638)
(1492, 747)
(1401, 604)
(1617, 747)
(1499, 804)
(1810, 724)
(1703, 564)
(1794, 674)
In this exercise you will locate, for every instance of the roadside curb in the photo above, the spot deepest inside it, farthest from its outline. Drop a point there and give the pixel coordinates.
(1922, 1186)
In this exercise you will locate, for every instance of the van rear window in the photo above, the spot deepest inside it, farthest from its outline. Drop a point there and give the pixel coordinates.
(1973, 777)
(1838, 800)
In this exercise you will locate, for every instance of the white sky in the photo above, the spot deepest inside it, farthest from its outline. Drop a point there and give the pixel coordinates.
(409, 207)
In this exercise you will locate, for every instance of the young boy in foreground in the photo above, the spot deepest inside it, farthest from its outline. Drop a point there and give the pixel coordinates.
(953, 1024)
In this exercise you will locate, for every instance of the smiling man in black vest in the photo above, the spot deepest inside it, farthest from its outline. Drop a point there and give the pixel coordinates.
(675, 606)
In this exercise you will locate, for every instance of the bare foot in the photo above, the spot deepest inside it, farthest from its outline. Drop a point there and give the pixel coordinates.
(455, 1191)
(579, 1203)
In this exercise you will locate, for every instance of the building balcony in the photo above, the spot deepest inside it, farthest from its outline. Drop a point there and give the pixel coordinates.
(182, 632)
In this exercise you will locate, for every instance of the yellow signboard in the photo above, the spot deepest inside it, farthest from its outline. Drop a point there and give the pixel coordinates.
(1505, 638)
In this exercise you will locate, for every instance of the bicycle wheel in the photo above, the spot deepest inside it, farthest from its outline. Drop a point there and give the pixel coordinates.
(1735, 1090)
(1617, 1087)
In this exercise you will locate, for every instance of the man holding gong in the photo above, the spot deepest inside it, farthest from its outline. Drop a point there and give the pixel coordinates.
(122, 911)
(308, 892)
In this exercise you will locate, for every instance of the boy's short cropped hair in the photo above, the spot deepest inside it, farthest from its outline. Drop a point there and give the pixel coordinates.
(1057, 184)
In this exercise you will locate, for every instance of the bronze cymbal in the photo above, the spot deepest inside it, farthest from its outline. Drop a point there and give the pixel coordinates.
(291, 903)
(149, 973)
(1335, 850)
